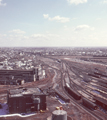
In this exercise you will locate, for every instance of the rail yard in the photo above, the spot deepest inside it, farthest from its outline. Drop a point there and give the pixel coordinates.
(75, 83)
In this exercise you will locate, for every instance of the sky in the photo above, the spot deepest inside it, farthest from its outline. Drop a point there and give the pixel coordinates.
(53, 23)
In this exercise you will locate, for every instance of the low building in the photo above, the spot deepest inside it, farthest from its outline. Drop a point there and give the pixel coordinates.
(11, 76)
(24, 100)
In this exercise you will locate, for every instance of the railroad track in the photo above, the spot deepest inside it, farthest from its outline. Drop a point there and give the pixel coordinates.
(63, 73)
(93, 113)
(97, 114)
(93, 80)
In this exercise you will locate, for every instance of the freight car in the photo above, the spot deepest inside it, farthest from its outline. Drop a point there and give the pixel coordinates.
(62, 96)
(94, 75)
(101, 74)
(101, 102)
(102, 81)
(97, 73)
(102, 84)
(73, 93)
(89, 104)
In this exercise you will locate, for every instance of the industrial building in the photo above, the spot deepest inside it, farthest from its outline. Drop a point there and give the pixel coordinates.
(24, 100)
(16, 76)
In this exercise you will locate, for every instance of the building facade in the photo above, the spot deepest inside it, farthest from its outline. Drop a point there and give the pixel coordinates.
(24, 100)
(12, 76)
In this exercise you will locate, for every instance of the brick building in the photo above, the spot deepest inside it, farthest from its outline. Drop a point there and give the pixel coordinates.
(24, 100)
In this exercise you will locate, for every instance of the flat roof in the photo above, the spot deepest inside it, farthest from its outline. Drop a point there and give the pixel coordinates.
(16, 71)
(24, 92)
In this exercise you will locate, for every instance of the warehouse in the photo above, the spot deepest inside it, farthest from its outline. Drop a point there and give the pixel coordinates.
(11, 76)
(24, 100)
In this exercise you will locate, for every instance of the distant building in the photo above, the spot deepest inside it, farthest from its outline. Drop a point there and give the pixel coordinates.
(24, 100)
(11, 76)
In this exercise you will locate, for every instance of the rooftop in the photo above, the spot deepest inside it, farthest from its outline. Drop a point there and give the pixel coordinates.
(16, 71)
(24, 91)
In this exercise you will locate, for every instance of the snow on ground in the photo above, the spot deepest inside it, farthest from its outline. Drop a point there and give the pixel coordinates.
(25, 115)
(4, 112)
(4, 109)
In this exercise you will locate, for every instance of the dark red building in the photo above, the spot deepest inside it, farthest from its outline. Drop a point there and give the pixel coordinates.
(24, 100)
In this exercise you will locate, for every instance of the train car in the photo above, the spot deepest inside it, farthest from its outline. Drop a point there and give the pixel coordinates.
(101, 74)
(101, 102)
(103, 81)
(89, 104)
(102, 84)
(62, 96)
(94, 75)
(97, 73)
(72, 92)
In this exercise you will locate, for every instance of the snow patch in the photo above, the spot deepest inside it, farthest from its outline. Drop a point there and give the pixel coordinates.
(4, 112)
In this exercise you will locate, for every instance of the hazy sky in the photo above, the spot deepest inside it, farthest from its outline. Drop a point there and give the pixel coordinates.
(41, 23)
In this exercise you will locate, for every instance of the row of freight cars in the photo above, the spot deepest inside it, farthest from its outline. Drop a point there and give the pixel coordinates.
(97, 74)
(94, 75)
(87, 103)
(100, 74)
(62, 96)
(77, 96)
(100, 82)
